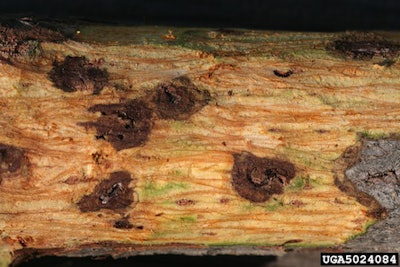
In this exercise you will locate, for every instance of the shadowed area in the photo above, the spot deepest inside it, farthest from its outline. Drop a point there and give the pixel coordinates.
(306, 15)
(154, 261)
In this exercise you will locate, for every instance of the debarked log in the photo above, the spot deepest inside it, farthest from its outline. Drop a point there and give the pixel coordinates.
(135, 140)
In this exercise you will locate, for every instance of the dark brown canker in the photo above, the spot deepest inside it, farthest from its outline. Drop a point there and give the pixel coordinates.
(124, 125)
(12, 159)
(113, 193)
(363, 46)
(78, 74)
(20, 42)
(257, 179)
(179, 99)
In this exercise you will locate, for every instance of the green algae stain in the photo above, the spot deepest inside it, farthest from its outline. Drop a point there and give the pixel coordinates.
(188, 219)
(369, 134)
(273, 205)
(151, 189)
(296, 184)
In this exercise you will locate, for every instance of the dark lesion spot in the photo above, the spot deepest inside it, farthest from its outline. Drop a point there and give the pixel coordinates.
(386, 63)
(363, 46)
(224, 200)
(124, 125)
(275, 130)
(12, 160)
(257, 179)
(321, 131)
(185, 202)
(123, 224)
(283, 74)
(20, 39)
(78, 74)
(99, 157)
(113, 193)
(179, 99)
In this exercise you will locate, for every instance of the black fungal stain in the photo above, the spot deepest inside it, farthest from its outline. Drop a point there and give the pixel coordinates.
(257, 179)
(124, 125)
(123, 224)
(12, 160)
(386, 63)
(179, 99)
(364, 47)
(78, 74)
(113, 193)
(283, 74)
(20, 40)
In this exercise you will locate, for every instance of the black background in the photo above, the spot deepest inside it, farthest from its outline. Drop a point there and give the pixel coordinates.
(297, 15)
(156, 261)
(302, 15)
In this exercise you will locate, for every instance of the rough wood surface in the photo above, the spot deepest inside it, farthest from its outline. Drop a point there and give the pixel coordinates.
(130, 138)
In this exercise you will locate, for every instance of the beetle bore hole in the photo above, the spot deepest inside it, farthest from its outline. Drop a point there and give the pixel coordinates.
(283, 74)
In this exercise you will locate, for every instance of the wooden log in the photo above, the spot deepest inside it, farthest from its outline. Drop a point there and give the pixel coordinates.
(136, 140)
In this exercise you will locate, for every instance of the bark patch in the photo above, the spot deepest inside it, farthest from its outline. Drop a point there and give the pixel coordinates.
(370, 172)
(113, 193)
(12, 160)
(363, 47)
(124, 125)
(257, 179)
(377, 171)
(372, 175)
(179, 99)
(78, 74)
